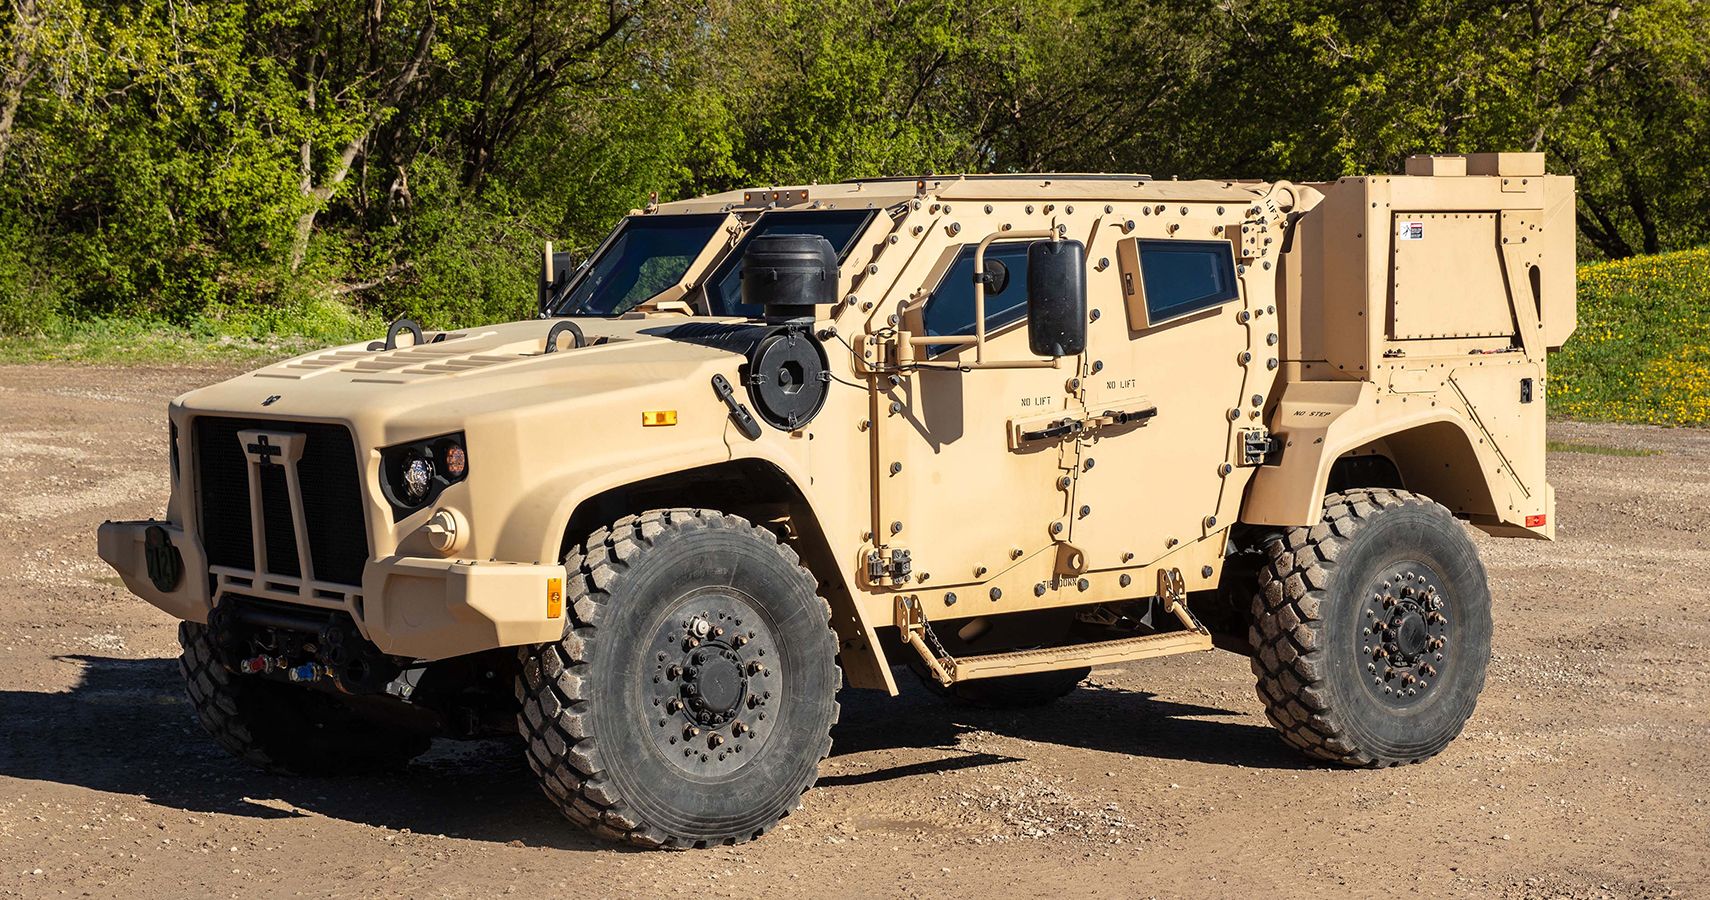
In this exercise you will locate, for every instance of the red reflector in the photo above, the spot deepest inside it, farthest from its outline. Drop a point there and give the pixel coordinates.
(1534, 521)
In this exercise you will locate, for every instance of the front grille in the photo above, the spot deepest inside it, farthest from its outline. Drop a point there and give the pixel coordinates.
(332, 500)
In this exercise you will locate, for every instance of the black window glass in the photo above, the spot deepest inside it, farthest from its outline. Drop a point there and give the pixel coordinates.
(1182, 277)
(646, 255)
(839, 226)
(951, 308)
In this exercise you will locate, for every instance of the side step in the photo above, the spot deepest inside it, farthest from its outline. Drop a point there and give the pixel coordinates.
(967, 668)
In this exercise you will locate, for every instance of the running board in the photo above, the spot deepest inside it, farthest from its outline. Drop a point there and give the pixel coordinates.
(1103, 653)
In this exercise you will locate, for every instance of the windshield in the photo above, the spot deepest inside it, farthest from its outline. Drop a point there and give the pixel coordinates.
(646, 255)
(841, 227)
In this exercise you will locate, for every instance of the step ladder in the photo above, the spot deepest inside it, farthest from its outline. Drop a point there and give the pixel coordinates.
(948, 670)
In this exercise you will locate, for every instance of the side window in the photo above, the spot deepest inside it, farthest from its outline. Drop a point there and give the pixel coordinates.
(1184, 277)
(950, 309)
(841, 227)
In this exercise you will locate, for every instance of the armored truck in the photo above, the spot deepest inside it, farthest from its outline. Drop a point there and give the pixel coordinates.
(989, 431)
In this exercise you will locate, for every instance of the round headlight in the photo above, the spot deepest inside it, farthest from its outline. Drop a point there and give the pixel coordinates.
(418, 479)
(456, 461)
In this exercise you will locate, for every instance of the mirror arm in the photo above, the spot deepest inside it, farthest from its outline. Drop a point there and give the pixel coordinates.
(980, 285)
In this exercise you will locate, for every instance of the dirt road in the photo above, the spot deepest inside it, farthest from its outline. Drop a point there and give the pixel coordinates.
(1582, 773)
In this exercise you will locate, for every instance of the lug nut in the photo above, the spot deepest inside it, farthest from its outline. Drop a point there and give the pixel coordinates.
(691, 732)
(714, 741)
(755, 668)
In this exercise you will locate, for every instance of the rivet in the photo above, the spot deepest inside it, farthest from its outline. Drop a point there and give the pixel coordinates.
(950, 598)
(896, 527)
(1083, 584)
(896, 467)
(1039, 589)
(996, 594)
(1086, 511)
(1125, 580)
(1056, 527)
(1205, 571)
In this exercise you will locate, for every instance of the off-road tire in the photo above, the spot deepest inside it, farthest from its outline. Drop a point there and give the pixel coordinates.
(284, 728)
(599, 708)
(1321, 594)
(1027, 691)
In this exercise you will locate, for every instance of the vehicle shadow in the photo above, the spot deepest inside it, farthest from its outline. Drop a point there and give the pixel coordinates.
(126, 728)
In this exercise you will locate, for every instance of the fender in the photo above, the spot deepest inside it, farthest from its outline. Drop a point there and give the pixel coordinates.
(537, 530)
(1434, 446)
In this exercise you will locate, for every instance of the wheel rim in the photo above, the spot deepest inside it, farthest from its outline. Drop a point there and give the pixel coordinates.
(1404, 635)
(712, 703)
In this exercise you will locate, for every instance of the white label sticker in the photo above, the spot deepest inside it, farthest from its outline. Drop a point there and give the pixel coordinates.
(1410, 231)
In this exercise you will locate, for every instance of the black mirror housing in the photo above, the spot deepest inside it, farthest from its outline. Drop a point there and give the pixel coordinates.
(1057, 298)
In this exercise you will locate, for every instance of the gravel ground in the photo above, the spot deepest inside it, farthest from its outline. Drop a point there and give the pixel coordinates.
(1579, 775)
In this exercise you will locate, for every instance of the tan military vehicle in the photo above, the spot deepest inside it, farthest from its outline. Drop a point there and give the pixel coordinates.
(995, 429)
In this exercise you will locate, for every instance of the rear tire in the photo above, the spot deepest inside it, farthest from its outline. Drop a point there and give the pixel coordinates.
(691, 699)
(1371, 630)
(283, 728)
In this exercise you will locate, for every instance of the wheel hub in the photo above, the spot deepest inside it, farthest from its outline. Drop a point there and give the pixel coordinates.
(712, 684)
(1404, 634)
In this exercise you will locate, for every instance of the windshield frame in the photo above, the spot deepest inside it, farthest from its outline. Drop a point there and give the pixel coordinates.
(714, 245)
(733, 260)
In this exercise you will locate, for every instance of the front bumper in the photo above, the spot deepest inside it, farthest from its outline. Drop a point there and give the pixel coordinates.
(406, 606)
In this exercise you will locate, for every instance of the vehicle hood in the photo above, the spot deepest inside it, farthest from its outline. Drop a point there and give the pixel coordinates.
(454, 377)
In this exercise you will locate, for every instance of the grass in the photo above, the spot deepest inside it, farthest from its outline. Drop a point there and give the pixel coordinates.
(1597, 449)
(231, 335)
(1642, 351)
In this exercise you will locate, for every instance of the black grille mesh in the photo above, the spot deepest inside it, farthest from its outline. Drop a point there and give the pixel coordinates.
(332, 500)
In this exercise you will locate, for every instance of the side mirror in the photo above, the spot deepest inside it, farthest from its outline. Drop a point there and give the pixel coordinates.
(1057, 298)
(556, 270)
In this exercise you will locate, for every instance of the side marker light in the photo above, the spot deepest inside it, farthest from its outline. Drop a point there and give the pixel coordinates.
(554, 598)
(654, 418)
(1534, 521)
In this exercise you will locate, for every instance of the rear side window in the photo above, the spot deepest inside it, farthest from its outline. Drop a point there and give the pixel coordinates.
(950, 310)
(1184, 277)
(839, 226)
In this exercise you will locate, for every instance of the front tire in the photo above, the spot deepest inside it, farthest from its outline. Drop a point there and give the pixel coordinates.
(1371, 630)
(691, 699)
(282, 727)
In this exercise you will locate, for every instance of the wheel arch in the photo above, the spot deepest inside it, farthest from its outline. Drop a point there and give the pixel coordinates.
(1432, 450)
(767, 496)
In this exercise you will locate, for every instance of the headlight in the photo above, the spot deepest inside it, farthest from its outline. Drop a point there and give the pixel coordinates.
(413, 474)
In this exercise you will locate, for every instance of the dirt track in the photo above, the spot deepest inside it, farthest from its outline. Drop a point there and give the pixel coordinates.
(1581, 774)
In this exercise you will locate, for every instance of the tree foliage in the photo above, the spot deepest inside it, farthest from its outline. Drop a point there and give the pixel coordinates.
(184, 160)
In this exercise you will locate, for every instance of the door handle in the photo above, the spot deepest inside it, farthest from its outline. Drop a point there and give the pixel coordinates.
(1056, 430)
(1129, 416)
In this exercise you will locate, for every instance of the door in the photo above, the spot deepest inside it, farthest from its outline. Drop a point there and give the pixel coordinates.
(965, 499)
(1174, 341)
